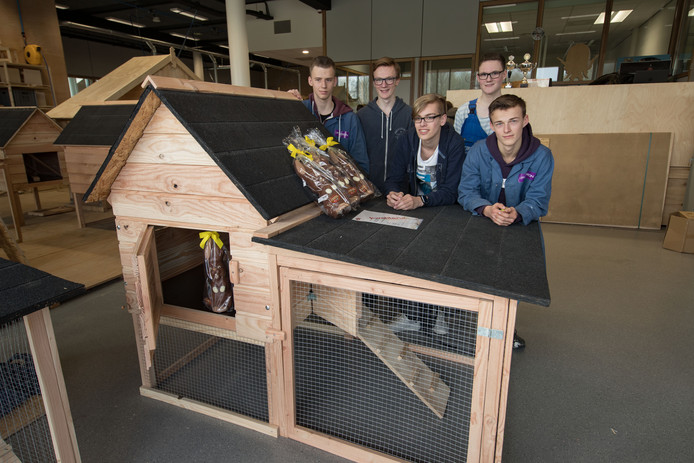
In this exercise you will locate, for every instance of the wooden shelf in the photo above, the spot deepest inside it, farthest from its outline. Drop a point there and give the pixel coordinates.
(21, 72)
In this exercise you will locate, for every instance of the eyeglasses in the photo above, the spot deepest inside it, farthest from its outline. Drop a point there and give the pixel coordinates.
(487, 75)
(387, 80)
(418, 120)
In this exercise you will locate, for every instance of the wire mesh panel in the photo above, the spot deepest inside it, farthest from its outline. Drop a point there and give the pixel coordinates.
(225, 373)
(392, 375)
(23, 425)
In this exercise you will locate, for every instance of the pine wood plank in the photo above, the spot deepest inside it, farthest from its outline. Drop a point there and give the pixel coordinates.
(125, 147)
(164, 122)
(49, 372)
(184, 179)
(30, 411)
(479, 384)
(148, 285)
(181, 149)
(289, 220)
(253, 326)
(188, 209)
(209, 410)
(171, 83)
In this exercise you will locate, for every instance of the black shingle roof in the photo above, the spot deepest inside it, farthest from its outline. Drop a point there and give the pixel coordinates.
(96, 125)
(11, 119)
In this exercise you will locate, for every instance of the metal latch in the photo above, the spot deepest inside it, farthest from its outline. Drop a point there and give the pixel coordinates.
(490, 333)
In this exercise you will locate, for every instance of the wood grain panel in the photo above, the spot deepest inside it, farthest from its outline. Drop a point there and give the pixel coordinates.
(187, 209)
(609, 179)
(198, 180)
(172, 149)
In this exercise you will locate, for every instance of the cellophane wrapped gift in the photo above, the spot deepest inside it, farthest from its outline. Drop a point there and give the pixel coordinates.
(218, 294)
(332, 198)
(340, 158)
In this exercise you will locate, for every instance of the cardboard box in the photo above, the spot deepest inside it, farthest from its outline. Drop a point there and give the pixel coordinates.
(680, 232)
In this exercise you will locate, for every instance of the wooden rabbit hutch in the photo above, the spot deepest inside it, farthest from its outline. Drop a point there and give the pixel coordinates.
(310, 353)
(86, 141)
(29, 159)
(123, 85)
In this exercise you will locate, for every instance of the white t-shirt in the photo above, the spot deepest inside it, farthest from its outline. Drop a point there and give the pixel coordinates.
(426, 172)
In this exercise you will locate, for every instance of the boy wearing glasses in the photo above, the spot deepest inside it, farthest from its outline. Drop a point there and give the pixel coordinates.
(425, 170)
(384, 120)
(336, 116)
(472, 119)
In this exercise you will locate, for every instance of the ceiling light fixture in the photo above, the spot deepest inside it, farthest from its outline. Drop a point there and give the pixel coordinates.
(188, 14)
(176, 34)
(305, 52)
(61, 7)
(501, 38)
(125, 21)
(617, 17)
(574, 33)
(503, 26)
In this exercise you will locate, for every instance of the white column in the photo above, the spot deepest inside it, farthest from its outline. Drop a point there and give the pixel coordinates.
(238, 42)
(198, 68)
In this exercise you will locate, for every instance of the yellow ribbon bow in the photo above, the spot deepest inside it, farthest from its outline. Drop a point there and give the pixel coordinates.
(294, 150)
(309, 140)
(205, 236)
(329, 142)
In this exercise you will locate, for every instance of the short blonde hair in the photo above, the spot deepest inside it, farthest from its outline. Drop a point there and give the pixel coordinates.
(425, 100)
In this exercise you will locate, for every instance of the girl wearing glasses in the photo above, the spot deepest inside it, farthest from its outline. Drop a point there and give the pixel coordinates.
(472, 119)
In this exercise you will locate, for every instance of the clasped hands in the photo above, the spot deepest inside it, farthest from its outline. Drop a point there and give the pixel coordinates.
(500, 214)
(402, 202)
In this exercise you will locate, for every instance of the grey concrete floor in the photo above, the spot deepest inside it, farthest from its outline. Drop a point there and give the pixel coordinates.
(606, 375)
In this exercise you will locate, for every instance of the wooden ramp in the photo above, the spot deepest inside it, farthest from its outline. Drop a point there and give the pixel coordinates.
(343, 308)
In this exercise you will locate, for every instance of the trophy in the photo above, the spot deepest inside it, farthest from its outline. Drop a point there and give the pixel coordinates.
(510, 66)
(526, 67)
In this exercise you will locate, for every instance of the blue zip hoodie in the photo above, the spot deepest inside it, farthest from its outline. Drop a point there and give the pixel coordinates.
(381, 132)
(527, 187)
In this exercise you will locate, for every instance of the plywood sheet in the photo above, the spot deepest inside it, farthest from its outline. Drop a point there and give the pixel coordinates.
(609, 179)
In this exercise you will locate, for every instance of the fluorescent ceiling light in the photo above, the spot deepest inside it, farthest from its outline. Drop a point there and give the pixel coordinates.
(503, 26)
(65, 7)
(620, 16)
(574, 33)
(501, 38)
(617, 17)
(305, 52)
(176, 34)
(499, 6)
(126, 22)
(580, 16)
(190, 15)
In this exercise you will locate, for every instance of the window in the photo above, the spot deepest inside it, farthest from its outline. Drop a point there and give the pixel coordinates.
(508, 29)
(441, 75)
(570, 47)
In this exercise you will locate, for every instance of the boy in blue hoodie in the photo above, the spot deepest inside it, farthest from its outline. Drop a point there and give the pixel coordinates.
(337, 117)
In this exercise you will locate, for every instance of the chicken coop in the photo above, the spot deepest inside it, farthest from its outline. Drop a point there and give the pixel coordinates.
(310, 351)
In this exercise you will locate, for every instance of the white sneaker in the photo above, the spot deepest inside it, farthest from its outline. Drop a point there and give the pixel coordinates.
(441, 327)
(403, 323)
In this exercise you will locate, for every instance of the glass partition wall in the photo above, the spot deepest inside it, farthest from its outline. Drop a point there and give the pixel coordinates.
(573, 42)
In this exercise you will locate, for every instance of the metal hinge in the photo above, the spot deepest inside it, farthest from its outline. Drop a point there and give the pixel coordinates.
(490, 333)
